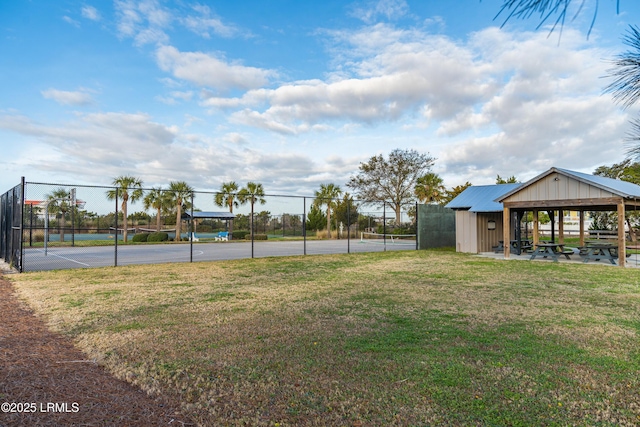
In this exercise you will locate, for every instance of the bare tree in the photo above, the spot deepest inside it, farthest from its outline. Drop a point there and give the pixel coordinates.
(391, 181)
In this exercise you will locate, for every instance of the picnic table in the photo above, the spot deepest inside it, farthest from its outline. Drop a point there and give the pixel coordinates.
(550, 250)
(597, 251)
(525, 245)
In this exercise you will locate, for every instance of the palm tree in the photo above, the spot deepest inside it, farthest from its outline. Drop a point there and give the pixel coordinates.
(129, 188)
(227, 197)
(180, 194)
(430, 188)
(156, 198)
(252, 193)
(59, 203)
(326, 196)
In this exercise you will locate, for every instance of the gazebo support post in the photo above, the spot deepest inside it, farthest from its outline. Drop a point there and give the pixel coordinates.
(561, 226)
(519, 215)
(506, 232)
(535, 228)
(581, 228)
(622, 249)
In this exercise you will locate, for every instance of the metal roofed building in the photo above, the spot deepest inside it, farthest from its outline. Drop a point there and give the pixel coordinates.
(479, 217)
(562, 189)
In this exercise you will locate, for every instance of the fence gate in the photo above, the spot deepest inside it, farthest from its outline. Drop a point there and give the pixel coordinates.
(11, 227)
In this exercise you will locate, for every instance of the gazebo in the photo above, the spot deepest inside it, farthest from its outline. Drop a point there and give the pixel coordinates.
(560, 190)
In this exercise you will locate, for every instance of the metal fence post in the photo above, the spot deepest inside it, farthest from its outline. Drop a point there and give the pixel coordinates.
(252, 226)
(72, 196)
(304, 224)
(417, 226)
(191, 233)
(116, 234)
(384, 225)
(22, 187)
(348, 227)
(31, 225)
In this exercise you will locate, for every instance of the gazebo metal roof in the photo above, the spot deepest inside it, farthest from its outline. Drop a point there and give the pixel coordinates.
(625, 189)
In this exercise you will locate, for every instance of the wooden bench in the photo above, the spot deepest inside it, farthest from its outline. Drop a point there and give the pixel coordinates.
(566, 253)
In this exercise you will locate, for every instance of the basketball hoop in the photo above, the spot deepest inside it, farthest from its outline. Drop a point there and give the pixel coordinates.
(74, 201)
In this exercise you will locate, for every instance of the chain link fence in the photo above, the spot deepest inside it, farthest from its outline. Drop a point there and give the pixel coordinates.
(58, 226)
(10, 227)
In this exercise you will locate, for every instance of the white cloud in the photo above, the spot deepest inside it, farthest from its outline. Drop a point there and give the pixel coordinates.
(542, 114)
(149, 21)
(91, 13)
(103, 137)
(206, 22)
(498, 93)
(370, 11)
(236, 138)
(183, 95)
(495, 103)
(145, 21)
(536, 136)
(176, 97)
(167, 100)
(62, 97)
(95, 147)
(393, 79)
(71, 21)
(507, 102)
(207, 70)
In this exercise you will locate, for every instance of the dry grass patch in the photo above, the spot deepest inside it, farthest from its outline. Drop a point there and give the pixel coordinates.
(400, 338)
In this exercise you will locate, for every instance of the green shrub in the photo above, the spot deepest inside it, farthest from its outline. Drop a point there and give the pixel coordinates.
(36, 236)
(239, 234)
(256, 237)
(140, 237)
(158, 236)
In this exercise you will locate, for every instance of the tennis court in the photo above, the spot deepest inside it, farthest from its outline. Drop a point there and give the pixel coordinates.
(43, 232)
(56, 258)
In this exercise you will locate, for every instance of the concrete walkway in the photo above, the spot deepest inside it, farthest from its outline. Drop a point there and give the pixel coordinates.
(632, 262)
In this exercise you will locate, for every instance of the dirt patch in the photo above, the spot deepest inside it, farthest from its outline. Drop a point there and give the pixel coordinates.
(49, 382)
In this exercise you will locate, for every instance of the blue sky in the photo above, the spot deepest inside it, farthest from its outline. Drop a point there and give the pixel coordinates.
(293, 94)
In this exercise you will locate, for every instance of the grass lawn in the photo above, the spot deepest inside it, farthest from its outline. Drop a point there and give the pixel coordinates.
(402, 338)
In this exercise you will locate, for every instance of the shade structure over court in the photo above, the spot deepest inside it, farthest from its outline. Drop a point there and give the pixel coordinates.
(223, 216)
